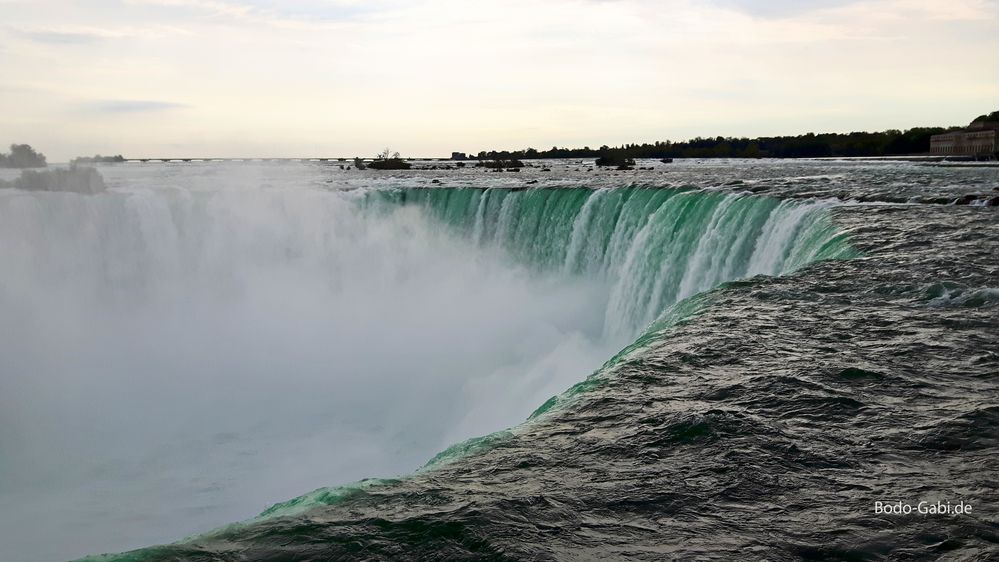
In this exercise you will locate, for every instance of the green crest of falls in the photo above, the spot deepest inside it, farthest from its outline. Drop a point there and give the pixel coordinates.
(324, 496)
(294, 506)
(467, 447)
(653, 247)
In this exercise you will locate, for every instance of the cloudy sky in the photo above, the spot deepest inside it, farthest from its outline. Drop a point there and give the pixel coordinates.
(346, 77)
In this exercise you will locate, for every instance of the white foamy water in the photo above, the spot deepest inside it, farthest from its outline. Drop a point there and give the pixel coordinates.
(203, 341)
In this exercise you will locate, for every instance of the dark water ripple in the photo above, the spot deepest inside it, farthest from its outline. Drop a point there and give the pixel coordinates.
(764, 428)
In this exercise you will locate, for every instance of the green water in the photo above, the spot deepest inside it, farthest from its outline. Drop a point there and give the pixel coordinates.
(654, 246)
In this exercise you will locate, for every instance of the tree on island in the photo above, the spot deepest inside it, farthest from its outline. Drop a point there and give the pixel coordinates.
(22, 156)
(501, 164)
(610, 157)
(388, 160)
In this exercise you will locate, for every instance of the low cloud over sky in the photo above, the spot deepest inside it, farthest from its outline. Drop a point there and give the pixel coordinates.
(346, 77)
(134, 106)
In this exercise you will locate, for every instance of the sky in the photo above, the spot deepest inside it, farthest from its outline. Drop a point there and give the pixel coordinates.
(251, 78)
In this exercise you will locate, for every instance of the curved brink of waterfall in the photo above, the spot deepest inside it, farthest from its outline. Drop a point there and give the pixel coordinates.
(660, 251)
(655, 246)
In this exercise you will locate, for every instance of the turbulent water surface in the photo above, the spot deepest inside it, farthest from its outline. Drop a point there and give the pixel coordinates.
(713, 358)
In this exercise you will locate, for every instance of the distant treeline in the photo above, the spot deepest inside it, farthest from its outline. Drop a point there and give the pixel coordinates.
(892, 142)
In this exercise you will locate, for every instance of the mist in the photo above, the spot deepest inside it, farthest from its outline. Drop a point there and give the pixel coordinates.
(194, 345)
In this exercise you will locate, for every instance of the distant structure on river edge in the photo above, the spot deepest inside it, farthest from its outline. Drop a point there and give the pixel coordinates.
(979, 139)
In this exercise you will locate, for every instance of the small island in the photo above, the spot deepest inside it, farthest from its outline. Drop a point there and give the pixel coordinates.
(616, 159)
(388, 160)
(512, 163)
(22, 156)
(98, 159)
(76, 179)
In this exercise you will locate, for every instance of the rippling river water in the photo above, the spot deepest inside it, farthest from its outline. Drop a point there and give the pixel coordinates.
(775, 347)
